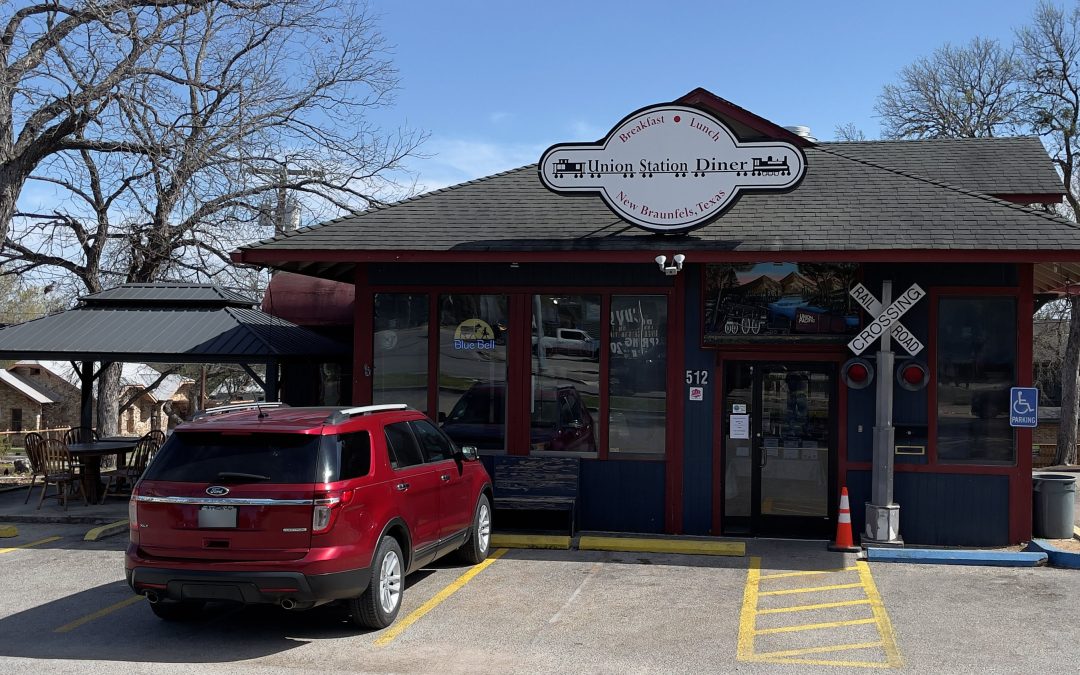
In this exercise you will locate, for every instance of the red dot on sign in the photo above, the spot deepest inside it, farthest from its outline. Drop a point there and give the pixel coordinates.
(857, 373)
(677, 118)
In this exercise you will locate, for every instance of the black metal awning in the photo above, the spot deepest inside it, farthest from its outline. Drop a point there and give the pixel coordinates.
(167, 323)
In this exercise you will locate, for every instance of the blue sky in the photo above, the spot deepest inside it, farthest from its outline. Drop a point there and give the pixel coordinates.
(494, 83)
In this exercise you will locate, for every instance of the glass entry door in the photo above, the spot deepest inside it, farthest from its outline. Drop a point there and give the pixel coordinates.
(779, 448)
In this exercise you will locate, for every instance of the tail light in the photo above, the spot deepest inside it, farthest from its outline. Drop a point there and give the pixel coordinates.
(327, 506)
(133, 514)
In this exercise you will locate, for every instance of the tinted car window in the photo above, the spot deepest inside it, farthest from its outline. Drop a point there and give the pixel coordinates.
(206, 457)
(436, 446)
(353, 456)
(401, 446)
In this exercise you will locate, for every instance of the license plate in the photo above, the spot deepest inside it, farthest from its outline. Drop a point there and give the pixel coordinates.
(217, 516)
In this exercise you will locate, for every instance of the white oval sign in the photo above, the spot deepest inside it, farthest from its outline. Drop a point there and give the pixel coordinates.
(669, 167)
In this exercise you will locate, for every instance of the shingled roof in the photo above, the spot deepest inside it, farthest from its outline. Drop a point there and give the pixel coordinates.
(849, 200)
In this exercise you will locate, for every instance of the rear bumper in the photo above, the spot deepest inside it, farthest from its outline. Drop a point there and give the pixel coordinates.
(249, 587)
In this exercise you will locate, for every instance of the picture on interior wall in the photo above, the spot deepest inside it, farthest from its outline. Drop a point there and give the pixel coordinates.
(770, 302)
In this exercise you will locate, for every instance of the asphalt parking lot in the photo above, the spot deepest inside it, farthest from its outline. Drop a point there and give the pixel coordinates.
(787, 607)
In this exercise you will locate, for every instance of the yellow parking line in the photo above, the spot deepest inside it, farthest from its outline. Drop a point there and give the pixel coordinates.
(817, 662)
(748, 630)
(747, 616)
(806, 573)
(892, 652)
(814, 626)
(400, 627)
(39, 542)
(820, 605)
(819, 650)
(813, 589)
(98, 614)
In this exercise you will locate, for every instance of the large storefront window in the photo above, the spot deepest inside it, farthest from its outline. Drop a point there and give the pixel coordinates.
(976, 365)
(472, 369)
(401, 349)
(564, 405)
(779, 302)
(637, 374)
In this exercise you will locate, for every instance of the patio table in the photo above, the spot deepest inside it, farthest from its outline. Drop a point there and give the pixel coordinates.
(89, 457)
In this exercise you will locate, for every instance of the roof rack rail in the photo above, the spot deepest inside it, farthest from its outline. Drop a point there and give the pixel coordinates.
(221, 409)
(339, 416)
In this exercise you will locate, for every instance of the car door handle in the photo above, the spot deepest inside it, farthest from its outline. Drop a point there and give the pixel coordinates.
(445, 477)
(402, 487)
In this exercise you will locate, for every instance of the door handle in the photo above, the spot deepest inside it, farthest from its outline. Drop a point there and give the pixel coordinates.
(402, 487)
(764, 458)
(445, 477)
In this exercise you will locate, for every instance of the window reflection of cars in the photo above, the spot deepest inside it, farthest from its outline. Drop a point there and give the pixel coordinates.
(569, 341)
(560, 420)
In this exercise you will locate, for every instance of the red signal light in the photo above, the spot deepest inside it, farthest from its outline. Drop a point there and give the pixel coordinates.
(857, 373)
(912, 375)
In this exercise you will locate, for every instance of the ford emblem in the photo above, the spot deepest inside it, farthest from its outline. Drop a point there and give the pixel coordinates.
(217, 491)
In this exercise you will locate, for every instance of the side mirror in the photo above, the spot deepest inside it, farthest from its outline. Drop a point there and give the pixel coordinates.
(469, 452)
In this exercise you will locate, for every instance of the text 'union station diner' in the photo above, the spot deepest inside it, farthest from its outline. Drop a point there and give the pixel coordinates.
(691, 308)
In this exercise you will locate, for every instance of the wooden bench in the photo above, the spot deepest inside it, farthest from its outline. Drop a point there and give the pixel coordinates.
(537, 483)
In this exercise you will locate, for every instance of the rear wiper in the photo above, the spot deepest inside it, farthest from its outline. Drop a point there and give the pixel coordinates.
(236, 476)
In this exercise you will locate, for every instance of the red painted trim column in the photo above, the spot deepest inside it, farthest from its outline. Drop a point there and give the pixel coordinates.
(363, 338)
(1020, 480)
(676, 392)
(519, 375)
(718, 492)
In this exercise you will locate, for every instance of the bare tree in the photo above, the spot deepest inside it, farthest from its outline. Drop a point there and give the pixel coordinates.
(1050, 52)
(239, 107)
(848, 132)
(959, 92)
(62, 64)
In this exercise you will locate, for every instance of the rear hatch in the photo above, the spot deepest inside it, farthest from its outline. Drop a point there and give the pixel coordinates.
(216, 495)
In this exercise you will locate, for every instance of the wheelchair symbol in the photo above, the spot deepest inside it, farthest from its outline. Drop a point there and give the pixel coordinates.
(1020, 406)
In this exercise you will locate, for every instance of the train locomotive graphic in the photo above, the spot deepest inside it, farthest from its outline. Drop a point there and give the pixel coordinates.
(761, 166)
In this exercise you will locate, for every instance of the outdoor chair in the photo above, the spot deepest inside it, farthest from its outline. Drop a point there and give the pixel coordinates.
(134, 468)
(32, 444)
(60, 470)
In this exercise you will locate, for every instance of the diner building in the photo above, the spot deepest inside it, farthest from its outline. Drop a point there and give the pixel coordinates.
(688, 306)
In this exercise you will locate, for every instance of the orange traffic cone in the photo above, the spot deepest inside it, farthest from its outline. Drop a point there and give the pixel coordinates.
(843, 527)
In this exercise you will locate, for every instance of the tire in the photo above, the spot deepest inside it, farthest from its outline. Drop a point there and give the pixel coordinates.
(378, 606)
(478, 545)
(177, 611)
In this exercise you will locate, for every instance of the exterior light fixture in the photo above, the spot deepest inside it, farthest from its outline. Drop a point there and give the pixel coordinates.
(674, 268)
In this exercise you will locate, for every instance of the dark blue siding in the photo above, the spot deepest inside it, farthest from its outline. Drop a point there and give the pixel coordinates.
(622, 496)
(523, 277)
(698, 419)
(941, 509)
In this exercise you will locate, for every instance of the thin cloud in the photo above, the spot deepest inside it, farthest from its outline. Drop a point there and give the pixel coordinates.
(455, 161)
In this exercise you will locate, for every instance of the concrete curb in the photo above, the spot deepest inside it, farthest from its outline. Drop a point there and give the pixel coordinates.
(109, 530)
(926, 556)
(540, 541)
(1055, 556)
(649, 545)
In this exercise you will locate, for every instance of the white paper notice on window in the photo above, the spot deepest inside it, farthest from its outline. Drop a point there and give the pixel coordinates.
(739, 426)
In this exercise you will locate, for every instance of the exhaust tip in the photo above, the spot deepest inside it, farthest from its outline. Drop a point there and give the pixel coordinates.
(288, 603)
(152, 597)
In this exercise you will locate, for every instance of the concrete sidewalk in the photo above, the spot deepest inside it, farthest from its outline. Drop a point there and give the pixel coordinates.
(13, 510)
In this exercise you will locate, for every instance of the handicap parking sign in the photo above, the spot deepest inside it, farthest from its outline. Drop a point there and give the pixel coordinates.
(1023, 407)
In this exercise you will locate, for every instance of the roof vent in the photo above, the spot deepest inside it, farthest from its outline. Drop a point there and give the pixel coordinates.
(802, 131)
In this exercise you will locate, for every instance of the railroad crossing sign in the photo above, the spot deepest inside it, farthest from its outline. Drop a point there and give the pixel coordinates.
(887, 320)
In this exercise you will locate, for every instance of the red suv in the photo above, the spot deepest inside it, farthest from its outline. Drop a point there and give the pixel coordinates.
(303, 506)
